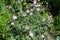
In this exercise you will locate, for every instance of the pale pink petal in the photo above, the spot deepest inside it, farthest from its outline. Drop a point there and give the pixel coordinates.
(35, 1)
(14, 17)
(26, 27)
(31, 13)
(31, 34)
(24, 14)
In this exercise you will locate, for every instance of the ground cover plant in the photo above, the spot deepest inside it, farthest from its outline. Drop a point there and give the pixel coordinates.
(25, 20)
(54, 6)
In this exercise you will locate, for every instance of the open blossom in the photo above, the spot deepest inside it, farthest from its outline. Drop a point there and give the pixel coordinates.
(38, 9)
(14, 17)
(31, 10)
(35, 1)
(43, 19)
(31, 34)
(42, 36)
(49, 17)
(31, 13)
(12, 23)
(24, 14)
(27, 11)
(26, 27)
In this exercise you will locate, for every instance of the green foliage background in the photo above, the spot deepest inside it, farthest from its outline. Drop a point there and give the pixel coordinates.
(54, 6)
(37, 26)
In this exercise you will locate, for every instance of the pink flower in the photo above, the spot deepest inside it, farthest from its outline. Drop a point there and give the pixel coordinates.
(49, 17)
(24, 14)
(31, 34)
(12, 23)
(35, 1)
(14, 17)
(31, 10)
(26, 27)
(31, 13)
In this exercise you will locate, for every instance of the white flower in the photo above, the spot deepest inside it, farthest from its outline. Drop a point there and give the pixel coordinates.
(49, 17)
(42, 36)
(31, 34)
(26, 27)
(35, 1)
(14, 17)
(31, 10)
(43, 19)
(27, 11)
(31, 13)
(12, 23)
(38, 9)
(24, 14)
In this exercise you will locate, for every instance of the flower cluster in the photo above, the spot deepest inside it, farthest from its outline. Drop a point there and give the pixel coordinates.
(29, 23)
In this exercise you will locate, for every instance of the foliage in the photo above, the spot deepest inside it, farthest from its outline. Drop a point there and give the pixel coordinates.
(20, 24)
(58, 38)
(4, 18)
(54, 6)
(57, 24)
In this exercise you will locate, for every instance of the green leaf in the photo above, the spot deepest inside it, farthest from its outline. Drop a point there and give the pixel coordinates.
(58, 38)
